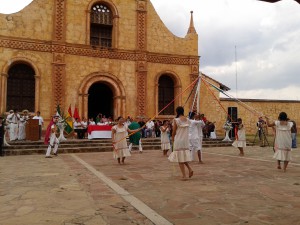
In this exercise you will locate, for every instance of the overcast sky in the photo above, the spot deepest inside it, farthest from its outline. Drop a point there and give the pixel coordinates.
(266, 36)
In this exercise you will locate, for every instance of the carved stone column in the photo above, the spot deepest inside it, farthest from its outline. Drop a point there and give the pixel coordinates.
(142, 64)
(58, 51)
(3, 91)
(141, 92)
(37, 93)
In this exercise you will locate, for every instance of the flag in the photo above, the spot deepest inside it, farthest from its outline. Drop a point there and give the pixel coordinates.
(76, 113)
(70, 111)
(69, 121)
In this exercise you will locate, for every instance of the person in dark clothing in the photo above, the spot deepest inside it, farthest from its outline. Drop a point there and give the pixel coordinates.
(157, 126)
(141, 122)
(1, 136)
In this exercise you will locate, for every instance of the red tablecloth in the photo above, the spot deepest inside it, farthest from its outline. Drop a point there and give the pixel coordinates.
(99, 128)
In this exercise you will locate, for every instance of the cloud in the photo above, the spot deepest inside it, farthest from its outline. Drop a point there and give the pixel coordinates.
(263, 37)
(7, 7)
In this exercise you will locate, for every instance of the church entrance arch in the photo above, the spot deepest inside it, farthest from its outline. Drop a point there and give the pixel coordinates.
(102, 93)
(100, 100)
(20, 87)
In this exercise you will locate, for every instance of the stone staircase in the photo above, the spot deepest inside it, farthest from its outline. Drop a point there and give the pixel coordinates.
(96, 145)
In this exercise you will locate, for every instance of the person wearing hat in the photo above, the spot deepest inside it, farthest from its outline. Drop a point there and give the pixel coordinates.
(50, 137)
(13, 119)
(1, 136)
(22, 124)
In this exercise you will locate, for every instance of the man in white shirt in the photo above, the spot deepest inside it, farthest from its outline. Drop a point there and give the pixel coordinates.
(84, 125)
(13, 119)
(149, 128)
(91, 121)
(78, 128)
(41, 122)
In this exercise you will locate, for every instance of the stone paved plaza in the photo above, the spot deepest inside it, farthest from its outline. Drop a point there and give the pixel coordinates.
(92, 189)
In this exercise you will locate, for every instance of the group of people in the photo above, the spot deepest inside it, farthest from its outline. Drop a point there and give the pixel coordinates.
(15, 124)
(283, 127)
(184, 135)
(187, 134)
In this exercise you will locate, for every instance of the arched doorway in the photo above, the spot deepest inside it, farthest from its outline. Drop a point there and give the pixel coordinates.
(166, 94)
(21, 87)
(100, 100)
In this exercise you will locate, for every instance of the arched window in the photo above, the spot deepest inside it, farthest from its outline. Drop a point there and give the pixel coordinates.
(101, 26)
(21, 87)
(165, 95)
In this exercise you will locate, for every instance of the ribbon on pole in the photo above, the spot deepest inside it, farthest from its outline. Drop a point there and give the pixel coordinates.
(190, 85)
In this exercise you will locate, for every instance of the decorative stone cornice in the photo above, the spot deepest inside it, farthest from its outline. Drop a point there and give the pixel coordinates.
(87, 50)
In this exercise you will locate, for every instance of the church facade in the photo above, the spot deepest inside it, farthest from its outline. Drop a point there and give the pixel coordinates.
(109, 56)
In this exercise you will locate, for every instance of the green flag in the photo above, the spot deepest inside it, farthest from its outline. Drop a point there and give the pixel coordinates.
(58, 113)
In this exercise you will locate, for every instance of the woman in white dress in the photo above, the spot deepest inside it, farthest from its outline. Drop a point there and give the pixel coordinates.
(164, 137)
(119, 133)
(180, 137)
(240, 139)
(283, 140)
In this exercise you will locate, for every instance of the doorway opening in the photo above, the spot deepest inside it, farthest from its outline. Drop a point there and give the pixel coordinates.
(100, 100)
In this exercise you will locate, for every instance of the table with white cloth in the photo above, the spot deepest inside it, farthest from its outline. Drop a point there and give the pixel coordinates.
(99, 131)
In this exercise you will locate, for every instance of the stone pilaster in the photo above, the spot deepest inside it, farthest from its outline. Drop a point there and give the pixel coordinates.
(141, 71)
(58, 52)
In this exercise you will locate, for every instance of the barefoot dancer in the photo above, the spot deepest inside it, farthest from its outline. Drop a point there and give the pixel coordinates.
(283, 140)
(119, 133)
(180, 138)
(240, 141)
(165, 140)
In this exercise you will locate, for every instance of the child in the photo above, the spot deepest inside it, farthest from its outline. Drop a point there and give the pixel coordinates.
(240, 139)
(165, 140)
(283, 139)
(119, 134)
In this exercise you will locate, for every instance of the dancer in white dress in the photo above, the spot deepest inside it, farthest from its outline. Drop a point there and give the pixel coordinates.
(164, 137)
(180, 137)
(283, 140)
(240, 139)
(200, 127)
(119, 133)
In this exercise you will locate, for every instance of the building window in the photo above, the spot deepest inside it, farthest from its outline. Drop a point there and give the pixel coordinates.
(21, 87)
(101, 26)
(165, 95)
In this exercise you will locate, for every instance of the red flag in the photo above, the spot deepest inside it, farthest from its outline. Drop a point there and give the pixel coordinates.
(70, 111)
(76, 113)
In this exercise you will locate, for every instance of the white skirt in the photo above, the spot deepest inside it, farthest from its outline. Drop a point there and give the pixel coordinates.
(239, 144)
(180, 156)
(282, 155)
(165, 146)
(195, 144)
(120, 153)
